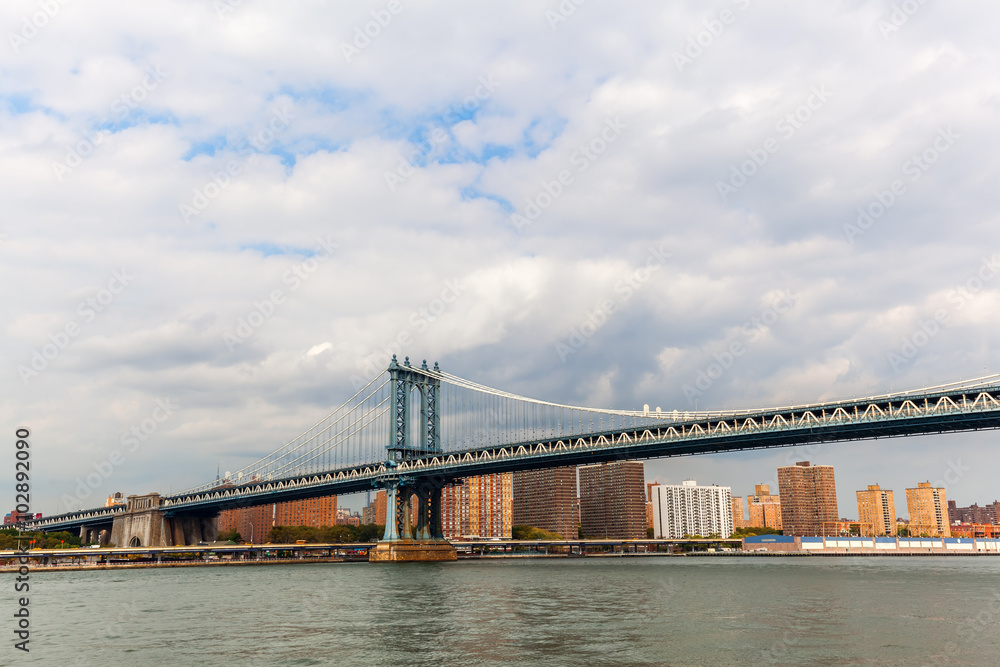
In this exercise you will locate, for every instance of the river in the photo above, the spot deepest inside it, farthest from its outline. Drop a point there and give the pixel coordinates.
(590, 611)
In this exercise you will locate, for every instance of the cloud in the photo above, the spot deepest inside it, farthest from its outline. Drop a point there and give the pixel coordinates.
(272, 190)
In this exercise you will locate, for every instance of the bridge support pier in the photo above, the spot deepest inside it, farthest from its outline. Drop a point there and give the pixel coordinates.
(403, 542)
(145, 524)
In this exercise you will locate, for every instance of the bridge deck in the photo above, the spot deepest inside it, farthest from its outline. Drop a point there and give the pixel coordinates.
(869, 419)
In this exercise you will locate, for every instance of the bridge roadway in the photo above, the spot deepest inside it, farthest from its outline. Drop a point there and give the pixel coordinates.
(898, 415)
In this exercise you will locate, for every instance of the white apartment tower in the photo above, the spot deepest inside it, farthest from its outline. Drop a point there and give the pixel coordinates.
(689, 509)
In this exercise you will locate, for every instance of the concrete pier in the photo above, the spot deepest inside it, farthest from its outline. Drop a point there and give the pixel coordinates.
(412, 551)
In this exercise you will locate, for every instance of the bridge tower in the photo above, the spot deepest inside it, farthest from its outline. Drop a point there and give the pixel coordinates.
(415, 432)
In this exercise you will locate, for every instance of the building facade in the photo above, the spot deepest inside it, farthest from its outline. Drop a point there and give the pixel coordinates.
(544, 499)
(368, 513)
(613, 501)
(315, 512)
(765, 509)
(478, 507)
(808, 496)
(689, 509)
(16, 517)
(649, 506)
(978, 530)
(739, 518)
(928, 510)
(974, 514)
(253, 523)
(876, 512)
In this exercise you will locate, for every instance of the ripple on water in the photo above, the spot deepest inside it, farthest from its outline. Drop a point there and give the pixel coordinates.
(655, 611)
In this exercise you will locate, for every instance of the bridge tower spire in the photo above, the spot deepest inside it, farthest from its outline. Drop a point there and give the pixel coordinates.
(412, 438)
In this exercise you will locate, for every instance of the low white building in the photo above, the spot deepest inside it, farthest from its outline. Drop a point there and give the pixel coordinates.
(689, 509)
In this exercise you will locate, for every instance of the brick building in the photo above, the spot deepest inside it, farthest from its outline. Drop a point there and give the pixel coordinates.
(739, 518)
(255, 522)
(876, 512)
(544, 499)
(479, 506)
(765, 509)
(808, 496)
(613, 500)
(974, 514)
(928, 510)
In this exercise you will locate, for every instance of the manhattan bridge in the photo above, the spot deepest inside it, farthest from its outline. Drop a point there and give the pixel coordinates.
(412, 430)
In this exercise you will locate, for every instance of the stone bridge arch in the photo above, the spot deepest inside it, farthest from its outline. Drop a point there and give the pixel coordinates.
(145, 524)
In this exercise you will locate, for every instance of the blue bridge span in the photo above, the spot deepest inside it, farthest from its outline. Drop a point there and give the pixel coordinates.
(415, 429)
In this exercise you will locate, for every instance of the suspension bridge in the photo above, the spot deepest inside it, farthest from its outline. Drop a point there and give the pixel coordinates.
(413, 430)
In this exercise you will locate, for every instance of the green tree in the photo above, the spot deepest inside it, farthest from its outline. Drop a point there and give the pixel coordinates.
(325, 535)
(368, 532)
(10, 537)
(230, 536)
(754, 530)
(532, 533)
(331, 534)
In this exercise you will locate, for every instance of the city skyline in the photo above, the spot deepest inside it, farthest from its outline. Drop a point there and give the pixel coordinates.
(846, 495)
(488, 506)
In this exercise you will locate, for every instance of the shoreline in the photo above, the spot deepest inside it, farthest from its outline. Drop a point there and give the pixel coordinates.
(192, 563)
(339, 559)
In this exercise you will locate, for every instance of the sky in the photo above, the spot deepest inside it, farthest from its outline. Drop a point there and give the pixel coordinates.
(218, 215)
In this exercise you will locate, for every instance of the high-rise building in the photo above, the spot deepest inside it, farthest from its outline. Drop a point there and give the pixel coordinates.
(808, 499)
(649, 505)
(876, 512)
(478, 507)
(253, 523)
(381, 498)
(973, 514)
(928, 509)
(739, 519)
(765, 509)
(993, 512)
(368, 513)
(115, 499)
(374, 511)
(689, 509)
(315, 512)
(953, 515)
(613, 501)
(544, 499)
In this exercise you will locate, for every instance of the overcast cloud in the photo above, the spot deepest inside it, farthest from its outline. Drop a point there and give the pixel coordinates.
(169, 167)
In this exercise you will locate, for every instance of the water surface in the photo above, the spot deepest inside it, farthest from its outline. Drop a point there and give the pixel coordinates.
(593, 611)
